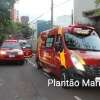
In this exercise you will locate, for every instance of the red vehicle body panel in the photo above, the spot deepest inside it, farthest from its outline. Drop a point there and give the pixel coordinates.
(27, 52)
(53, 61)
(6, 57)
(9, 56)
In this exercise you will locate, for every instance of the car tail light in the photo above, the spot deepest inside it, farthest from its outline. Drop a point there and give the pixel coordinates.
(2, 52)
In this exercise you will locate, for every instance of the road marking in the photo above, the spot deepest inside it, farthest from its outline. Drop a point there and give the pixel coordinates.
(1, 82)
(77, 98)
(34, 65)
(18, 98)
(47, 75)
(30, 62)
(40, 98)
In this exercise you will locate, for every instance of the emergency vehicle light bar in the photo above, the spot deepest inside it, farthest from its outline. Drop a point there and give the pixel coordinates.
(81, 31)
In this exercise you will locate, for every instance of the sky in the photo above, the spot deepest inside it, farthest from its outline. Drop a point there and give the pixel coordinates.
(35, 8)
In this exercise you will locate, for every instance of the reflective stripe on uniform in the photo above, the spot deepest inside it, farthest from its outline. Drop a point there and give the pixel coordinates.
(62, 58)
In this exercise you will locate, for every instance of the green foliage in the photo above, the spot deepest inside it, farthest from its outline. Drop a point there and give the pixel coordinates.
(9, 29)
(2, 37)
(5, 6)
(97, 1)
(6, 25)
(18, 28)
(26, 31)
(97, 12)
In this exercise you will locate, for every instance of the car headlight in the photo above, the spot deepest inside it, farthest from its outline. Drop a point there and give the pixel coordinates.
(78, 62)
(2, 53)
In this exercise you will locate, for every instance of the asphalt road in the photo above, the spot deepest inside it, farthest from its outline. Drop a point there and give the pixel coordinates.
(27, 83)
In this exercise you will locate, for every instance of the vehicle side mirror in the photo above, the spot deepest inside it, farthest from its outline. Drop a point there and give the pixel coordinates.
(23, 47)
(27, 47)
(58, 47)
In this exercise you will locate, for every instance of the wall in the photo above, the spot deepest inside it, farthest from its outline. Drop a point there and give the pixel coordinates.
(39, 26)
(79, 7)
(97, 25)
(64, 20)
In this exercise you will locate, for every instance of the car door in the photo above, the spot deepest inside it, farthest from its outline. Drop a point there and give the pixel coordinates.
(48, 52)
(56, 55)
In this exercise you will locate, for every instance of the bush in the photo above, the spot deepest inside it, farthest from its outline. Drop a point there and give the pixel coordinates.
(2, 38)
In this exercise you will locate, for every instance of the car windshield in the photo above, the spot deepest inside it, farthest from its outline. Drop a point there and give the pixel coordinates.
(77, 42)
(28, 46)
(10, 45)
(25, 44)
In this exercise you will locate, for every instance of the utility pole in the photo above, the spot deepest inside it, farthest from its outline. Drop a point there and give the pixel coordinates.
(52, 8)
(72, 16)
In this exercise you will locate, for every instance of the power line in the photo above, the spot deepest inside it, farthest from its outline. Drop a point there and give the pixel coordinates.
(61, 4)
(41, 15)
(55, 6)
(52, 8)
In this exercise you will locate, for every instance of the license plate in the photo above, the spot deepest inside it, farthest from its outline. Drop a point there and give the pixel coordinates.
(27, 54)
(97, 79)
(11, 56)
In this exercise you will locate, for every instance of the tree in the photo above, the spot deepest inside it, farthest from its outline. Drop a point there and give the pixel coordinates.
(6, 25)
(19, 29)
(11, 28)
(97, 1)
(5, 22)
(26, 31)
(5, 7)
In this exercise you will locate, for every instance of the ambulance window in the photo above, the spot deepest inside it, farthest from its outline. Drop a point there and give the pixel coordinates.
(58, 38)
(75, 42)
(49, 41)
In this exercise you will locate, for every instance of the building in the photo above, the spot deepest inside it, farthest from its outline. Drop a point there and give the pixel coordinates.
(14, 14)
(79, 6)
(40, 26)
(94, 15)
(17, 16)
(24, 20)
(77, 9)
(64, 20)
(77, 15)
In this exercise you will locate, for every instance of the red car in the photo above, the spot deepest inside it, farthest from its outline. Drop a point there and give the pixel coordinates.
(27, 49)
(11, 52)
(27, 52)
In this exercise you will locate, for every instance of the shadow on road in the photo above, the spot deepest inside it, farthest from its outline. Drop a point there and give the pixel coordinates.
(9, 64)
